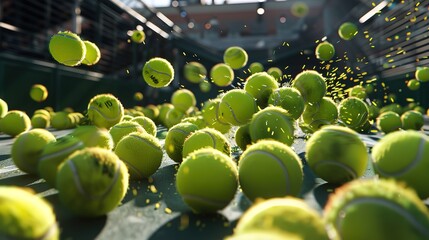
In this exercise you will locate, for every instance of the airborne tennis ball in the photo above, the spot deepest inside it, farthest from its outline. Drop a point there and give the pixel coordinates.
(235, 57)
(3, 108)
(357, 91)
(158, 72)
(176, 137)
(207, 180)
(311, 85)
(353, 112)
(412, 120)
(260, 86)
(14, 123)
(194, 72)
(92, 182)
(389, 122)
(105, 110)
(299, 9)
(422, 74)
(206, 137)
(270, 169)
(336, 154)
(67, 48)
(256, 67)
(92, 136)
(320, 114)
(237, 107)
(138, 36)
(325, 51)
(222, 75)
(183, 100)
(38, 93)
(276, 73)
(347, 31)
(289, 99)
(92, 55)
(205, 86)
(413, 85)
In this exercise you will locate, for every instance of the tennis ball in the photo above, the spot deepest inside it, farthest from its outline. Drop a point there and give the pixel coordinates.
(67, 48)
(61, 121)
(413, 85)
(92, 182)
(158, 72)
(336, 154)
(412, 120)
(175, 138)
(92, 55)
(205, 86)
(376, 209)
(272, 123)
(276, 73)
(14, 123)
(389, 122)
(394, 107)
(25, 215)
(151, 111)
(194, 72)
(222, 75)
(237, 107)
(122, 129)
(183, 100)
(173, 117)
(419, 109)
(163, 110)
(320, 114)
(299, 9)
(3, 108)
(347, 31)
(263, 234)
(40, 121)
(369, 88)
(105, 110)
(289, 215)
(141, 152)
(210, 114)
(197, 121)
(325, 51)
(38, 93)
(357, 91)
(256, 67)
(53, 154)
(235, 57)
(194, 180)
(260, 86)
(353, 112)
(311, 85)
(92, 136)
(289, 99)
(28, 146)
(242, 137)
(270, 169)
(373, 111)
(138, 36)
(146, 123)
(206, 137)
(138, 96)
(422, 74)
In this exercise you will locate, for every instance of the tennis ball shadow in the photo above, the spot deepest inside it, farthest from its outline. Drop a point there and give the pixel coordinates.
(26, 180)
(322, 192)
(309, 178)
(4, 157)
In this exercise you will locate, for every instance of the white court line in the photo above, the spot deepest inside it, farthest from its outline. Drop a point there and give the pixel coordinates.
(7, 169)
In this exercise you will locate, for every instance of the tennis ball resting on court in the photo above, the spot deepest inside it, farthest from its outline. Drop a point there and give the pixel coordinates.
(105, 110)
(158, 72)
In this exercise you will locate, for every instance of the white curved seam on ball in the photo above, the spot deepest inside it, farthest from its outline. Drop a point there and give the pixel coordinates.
(76, 179)
(154, 70)
(205, 200)
(72, 148)
(385, 203)
(136, 170)
(213, 139)
(339, 164)
(232, 113)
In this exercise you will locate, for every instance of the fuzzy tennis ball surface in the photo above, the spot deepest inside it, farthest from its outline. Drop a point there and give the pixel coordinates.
(25, 215)
(210, 113)
(413, 85)
(183, 100)
(353, 112)
(173, 117)
(325, 51)
(40, 121)
(175, 138)
(122, 129)
(138, 36)
(147, 124)
(138, 96)
(272, 123)
(319, 114)
(389, 122)
(289, 99)
(242, 137)
(92, 136)
(290, 216)
(299, 9)
(3, 108)
(105, 110)
(194, 72)
(311, 85)
(92, 182)
(38, 93)
(205, 86)
(163, 110)
(256, 67)
(14, 123)
(197, 121)
(403, 155)
(412, 120)
(206, 137)
(61, 121)
(276, 73)
(422, 74)
(92, 55)
(237, 107)
(158, 72)
(141, 152)
(222, 75)
(376, 209)
(336, 154)
(357, 91)
(270, 169)
(27, 148)
(260, 86)
(347, 31)
(235, 57)
(194, 180)
(67, 48)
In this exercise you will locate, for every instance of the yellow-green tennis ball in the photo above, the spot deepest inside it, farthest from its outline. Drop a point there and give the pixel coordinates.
(38, 93)
(92, 55)
(14, 123)
(122, 129)
(222, 75)
(206, 137)
(163, 110)
(92, 136)
(336, 154)
(3, 108)
(92, 182)
(141, 152)
(412, 120)
(138, 96)
(272, 123)
(105, 110)
(276, 73)
(146, 123)
(325, 51)
(376, 209)
(389, 122)
(235, 57)
(195, 180)
(27, 148)
(173, 117)
(205, 86)
(320, 114)
(353, 112)
(194, 72)
(237, 107)
(299, 9)
(311, 85)
(197, 120)
(289, 99)
(25, 215)
(403, 155)
(138, 36)
(413, 85)
(151, 111)
(270, 169)
(183, 99)
(43, 112)
(373, 111)
(347, 31)
(53, 154)
(357, 91)
(394, 107)
(158, 72)
(263, 234)
(256, 67)
(422, 74)
(210, 114)
(369, 88)
(242, 137)
(419, 109)
(176, 137)
(260, 86)
(67, 48)
(40, 121)
(61, 120)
